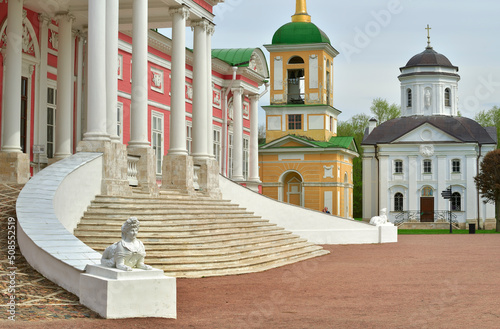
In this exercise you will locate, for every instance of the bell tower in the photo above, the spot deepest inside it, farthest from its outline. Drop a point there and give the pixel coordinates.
(301, 80)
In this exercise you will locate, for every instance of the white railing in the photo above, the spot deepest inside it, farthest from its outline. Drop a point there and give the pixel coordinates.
(132, 170)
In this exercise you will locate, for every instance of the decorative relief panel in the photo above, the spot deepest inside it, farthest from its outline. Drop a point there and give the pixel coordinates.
(157, 80)
(246, 109)
(53, 40)
(217, 99)
(328, 172)
(189, 92)
(427, 151)
(27, 38)
(120, 67)
(313, 72)
(278, 73)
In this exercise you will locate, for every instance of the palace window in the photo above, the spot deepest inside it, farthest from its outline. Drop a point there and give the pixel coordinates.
(455, 166)
(51, 120)
(456, 202)
(230, 155)
(157, 138)
(398, 202)
(24, 113)
(447, 97)
(398, 167)
(427, 166)
(189, 137)
(217, 145)
(294, 121)
(408, 98)
(246, 143)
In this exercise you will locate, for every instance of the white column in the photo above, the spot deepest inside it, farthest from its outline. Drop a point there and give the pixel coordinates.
(42, 96)
(200, 89)
(79, 87)
(11, 120)
(64, 125)
(254, 139)
(384, 185)
(139, 106)
(96, 76)
(443, 173)
(210, 95)
(178, 100)
(413, 177)
(471, 190)
(112, 7)
(238, 134)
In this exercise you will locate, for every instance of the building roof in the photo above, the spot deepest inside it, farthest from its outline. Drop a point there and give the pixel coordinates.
(464, 129)
(239, 57)
(335, 142)
(299, 33)
(429, 57)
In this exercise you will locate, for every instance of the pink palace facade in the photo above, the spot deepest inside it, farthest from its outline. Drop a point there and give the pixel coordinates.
(96, 71)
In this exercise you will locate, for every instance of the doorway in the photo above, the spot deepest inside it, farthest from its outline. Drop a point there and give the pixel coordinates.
(293, 189)
(427, 205)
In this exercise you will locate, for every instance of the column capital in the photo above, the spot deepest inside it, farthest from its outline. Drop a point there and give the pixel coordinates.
(183, 11)
(239, 90)
(254, 98)
(211, 29)
(70, 18)
(44, 20)
(203, 23)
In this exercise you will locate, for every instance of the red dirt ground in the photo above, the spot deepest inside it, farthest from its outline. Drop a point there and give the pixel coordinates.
(423, 281)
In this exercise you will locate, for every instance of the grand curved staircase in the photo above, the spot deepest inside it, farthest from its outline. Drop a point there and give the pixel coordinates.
(190, 236)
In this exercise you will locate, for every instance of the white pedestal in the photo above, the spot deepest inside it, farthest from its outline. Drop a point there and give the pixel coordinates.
(388, 233)
(116, 294)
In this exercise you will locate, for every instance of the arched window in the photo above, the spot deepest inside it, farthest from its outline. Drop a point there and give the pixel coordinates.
(296, 60)
(447, 97)
(456, 202)
(398, 202)
(408, 98)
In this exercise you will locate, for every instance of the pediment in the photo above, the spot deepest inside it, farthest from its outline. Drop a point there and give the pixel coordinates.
(288, 141)
(427, 133)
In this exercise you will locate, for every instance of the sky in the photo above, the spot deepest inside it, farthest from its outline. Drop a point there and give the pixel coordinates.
(377, 37)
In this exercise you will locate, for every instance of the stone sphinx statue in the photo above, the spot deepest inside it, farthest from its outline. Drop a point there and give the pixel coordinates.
(128, 253)
(379, 220)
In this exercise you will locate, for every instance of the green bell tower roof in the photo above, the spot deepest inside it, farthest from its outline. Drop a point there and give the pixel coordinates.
(294, 33)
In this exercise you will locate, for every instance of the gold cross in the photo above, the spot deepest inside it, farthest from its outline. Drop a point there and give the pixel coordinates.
(428, 28)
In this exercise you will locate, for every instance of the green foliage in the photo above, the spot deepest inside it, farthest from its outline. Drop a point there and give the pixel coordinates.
(383, 111)
(488, 181)
(489, 118)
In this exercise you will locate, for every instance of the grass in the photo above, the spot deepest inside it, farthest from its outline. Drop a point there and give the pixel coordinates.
(445, 232)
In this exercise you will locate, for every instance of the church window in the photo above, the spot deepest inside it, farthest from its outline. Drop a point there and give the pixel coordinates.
(294, 121)
(408, 98)
(455, 166)
(398, 202)
(157, 139)
(296, 60)
(456, 202)
(217, 144)
(447, 97)
(296, 86)
(398, 167)
(427, 166)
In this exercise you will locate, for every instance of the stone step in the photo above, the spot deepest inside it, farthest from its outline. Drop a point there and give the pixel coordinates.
(167, 234)
(193, 240)
(91, 221)
(241, 268)
(159, 227)
(213, 246)
(173, 206)
(235, 256)
(150, 211)
(121, 200)
(174, 216)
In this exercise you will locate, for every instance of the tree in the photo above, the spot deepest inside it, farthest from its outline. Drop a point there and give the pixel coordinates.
(383, 111)
(355, 127)
(262, 133)
(489, 118)
(488, 182)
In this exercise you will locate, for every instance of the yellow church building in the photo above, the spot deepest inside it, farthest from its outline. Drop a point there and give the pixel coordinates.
(303, 161)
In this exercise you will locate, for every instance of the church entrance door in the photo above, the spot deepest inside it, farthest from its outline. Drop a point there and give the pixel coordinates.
(426, 210)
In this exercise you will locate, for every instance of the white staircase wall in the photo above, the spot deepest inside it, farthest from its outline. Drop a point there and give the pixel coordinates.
(314, 226)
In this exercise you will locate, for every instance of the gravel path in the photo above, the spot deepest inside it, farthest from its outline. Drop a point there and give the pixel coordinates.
(423, 281)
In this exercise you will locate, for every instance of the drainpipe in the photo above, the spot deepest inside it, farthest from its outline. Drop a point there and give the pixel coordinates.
(265, 91)
(225, 133)
(478, 197)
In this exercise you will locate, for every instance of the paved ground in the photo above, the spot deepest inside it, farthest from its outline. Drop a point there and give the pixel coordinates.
(422, 281)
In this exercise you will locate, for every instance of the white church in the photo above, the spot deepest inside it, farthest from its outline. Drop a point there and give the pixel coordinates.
(409, 161)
